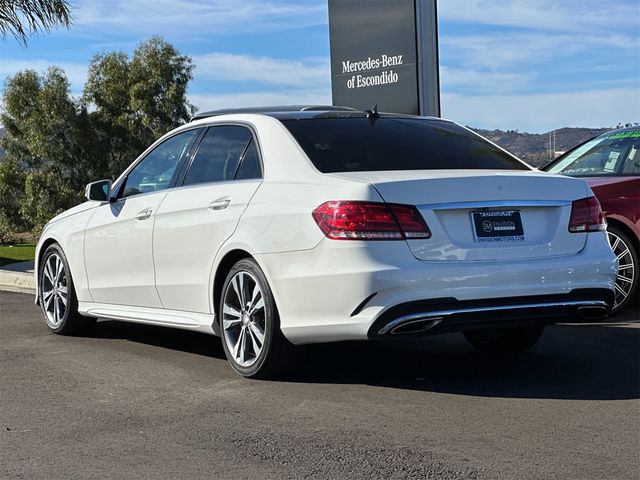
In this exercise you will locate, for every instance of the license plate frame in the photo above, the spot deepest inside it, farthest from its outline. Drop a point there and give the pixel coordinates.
(497, 226)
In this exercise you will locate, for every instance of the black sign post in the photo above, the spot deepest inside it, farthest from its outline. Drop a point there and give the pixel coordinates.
(385, 53)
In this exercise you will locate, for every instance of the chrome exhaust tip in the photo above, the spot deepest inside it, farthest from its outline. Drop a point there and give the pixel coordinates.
(593, 312)
(414, 326)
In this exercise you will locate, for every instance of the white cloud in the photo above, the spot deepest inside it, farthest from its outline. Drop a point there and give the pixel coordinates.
(565, 16)
(452, 79)
(257, 99)
(544, 111)
(501, 50)
(76, 72)
(196, 17)
(265, 70)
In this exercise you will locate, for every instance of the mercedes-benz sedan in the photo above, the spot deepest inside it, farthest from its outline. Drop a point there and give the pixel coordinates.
(299, 225)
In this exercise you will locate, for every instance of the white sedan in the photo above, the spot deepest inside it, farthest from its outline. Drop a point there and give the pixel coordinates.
(272, 228)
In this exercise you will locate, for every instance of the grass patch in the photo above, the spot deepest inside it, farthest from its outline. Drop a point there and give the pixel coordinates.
(16, 253)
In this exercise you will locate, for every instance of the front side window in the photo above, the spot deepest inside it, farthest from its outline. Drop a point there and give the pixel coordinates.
(615, 154)
(359, 144)
(218, 155)
(156, 170)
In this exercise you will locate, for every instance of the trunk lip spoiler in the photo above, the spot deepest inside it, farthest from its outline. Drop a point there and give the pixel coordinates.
(494, 204)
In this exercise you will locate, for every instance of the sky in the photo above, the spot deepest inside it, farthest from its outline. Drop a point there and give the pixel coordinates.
(530, 65)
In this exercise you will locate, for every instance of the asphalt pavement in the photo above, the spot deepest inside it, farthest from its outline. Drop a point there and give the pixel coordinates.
(132, 401)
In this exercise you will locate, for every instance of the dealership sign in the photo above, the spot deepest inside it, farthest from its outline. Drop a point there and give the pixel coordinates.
(384, 52)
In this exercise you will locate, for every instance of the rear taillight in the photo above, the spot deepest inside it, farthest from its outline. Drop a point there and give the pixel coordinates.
(351, 220)
(587, 216)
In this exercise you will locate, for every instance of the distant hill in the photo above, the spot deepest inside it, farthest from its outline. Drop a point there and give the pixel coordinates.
(533, 148)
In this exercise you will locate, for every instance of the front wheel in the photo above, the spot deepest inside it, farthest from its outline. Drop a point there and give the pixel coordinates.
(56, 294)
(501, 341)
(249, 324)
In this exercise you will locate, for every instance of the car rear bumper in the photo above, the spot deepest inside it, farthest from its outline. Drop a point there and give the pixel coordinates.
(341, 290)
(445, 315)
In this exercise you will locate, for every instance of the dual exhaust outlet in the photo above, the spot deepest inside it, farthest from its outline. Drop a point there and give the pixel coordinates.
(422, 322)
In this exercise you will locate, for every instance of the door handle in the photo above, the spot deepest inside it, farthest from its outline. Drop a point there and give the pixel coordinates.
(144, 214)
(219, 204)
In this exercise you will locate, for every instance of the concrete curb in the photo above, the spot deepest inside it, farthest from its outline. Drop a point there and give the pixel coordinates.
(18, 277)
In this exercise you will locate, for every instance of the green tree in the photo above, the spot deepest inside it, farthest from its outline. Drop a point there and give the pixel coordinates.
(20, 18)
(55, 144)
(137, 100)
(44, 139)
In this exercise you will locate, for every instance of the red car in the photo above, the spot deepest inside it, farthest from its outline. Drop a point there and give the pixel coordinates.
(611, 165)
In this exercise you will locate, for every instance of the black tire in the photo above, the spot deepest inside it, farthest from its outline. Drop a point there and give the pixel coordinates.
(276, 352)
(628, 271)
(70, 321)
(504, 341)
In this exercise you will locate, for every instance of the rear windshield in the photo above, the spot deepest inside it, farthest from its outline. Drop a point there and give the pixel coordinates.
(391, 143)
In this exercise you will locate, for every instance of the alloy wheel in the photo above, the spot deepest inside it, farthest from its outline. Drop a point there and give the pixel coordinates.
(55, 290)
(626, 269)
(243, 318)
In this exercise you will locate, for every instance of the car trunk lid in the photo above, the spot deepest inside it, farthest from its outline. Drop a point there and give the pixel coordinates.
(485, 215)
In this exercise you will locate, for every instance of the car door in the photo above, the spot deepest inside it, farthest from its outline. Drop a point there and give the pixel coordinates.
(195, 219)
(119, 235)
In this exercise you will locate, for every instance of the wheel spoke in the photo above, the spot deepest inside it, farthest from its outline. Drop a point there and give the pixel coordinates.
(56, 310)
(227, 324)
(47, 297)
(256, 332)
(624, 279)
(621, 291)
(63, 298)
(236, 346)
(258, 306)
(254, 295)
(238, 287)
(47, 272)
(59, 267)
(243, 346)
(46, 294)
(229, 310)
(625, 266)
(255, 344)
(614, 245)
(626, 250)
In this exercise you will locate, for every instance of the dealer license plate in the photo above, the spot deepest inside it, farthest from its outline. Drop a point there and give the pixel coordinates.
(498, 226)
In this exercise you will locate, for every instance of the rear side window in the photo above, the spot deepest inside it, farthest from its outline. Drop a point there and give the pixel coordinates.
(250, 167)
(218, 155)
(392, 143)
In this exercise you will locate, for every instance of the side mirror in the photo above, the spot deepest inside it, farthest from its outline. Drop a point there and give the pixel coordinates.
(98, 191)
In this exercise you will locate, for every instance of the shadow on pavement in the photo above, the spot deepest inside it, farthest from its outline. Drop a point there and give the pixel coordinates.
(585, 362)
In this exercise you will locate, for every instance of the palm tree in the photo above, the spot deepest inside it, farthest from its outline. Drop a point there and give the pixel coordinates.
(23, 17)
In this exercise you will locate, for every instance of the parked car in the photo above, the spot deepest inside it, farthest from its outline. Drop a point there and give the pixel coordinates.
(610, 163)
(320, 224)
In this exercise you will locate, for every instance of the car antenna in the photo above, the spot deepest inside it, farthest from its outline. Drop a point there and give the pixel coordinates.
(373, 114)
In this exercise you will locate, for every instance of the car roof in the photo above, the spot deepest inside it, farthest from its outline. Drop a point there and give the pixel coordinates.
(272, 110)
(299, 112)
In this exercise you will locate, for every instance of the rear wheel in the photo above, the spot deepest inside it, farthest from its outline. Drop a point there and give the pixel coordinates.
(627, 280)
(249, 324)
(56, 294)
(501, 341)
